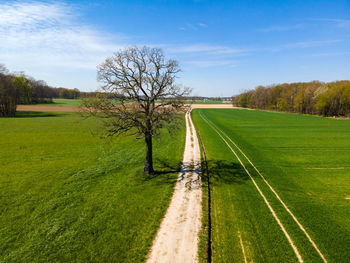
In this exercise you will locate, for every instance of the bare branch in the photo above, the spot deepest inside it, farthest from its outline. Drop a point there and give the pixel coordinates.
(140, 95)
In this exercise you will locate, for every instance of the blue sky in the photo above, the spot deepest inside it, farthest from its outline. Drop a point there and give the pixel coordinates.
(223, 47)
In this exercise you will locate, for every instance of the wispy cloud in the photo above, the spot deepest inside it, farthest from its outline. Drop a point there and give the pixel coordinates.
(207, 55)
(208, 49)
(343, 23)
(217, 55)
(191, 26)
(302, 45)
(340, 23)
(331, 54)
(49, 34)
(281, 28)
(212, 63)
(309, 44)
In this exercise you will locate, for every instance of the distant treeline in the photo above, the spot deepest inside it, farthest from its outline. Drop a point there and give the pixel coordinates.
(327, 99)
(17, 88)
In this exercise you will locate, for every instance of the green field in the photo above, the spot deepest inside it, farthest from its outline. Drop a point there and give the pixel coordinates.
(63, 102)
(66, 102)
(305, 160)
(68, 196)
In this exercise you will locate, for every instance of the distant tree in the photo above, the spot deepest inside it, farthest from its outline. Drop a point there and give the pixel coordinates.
(139, 95)
(315, 97)
(75, 94)
(335, 100)
(260, 98)
(274, 95)
(242, 100)
(8, 94)
(68, 93)
(63, 93)
(18, 88)
(21, 84)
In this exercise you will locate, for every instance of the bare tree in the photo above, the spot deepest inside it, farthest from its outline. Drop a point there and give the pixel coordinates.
(139, 95)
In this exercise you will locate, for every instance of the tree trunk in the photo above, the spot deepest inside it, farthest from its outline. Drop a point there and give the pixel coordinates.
(149, 158)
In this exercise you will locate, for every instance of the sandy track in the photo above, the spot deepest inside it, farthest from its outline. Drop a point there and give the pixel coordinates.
(54, 108)
(48, 108)
(177, 237)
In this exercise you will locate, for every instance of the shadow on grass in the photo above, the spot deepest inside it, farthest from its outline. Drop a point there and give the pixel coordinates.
(222, 171)
(165, 173)
(35, 114)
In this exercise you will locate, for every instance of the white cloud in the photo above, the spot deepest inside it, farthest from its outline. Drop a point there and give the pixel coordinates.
(21, 14)
(50, 35)
(195, 27)
(206, 48)
(207, 55)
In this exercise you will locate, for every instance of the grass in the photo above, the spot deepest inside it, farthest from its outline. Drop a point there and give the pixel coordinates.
(304, 158)
(66, 102)
(68, 196)
(203, 253)
(63, 102)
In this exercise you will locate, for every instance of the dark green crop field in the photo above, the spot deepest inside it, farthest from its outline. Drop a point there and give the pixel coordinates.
(68, 196)
(289, 198)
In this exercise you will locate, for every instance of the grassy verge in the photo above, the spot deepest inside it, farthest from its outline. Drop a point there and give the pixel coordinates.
(66, 195)
(63, 102)
(304, 158)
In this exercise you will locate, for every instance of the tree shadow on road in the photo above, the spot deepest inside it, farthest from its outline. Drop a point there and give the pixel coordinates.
(221, 171)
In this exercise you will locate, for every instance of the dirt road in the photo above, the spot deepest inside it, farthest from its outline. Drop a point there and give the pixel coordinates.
(177, 237)
(47, 108)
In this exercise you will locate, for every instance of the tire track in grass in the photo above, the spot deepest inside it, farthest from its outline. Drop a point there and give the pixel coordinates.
(242, 247)
(295, 249)
(301, 227)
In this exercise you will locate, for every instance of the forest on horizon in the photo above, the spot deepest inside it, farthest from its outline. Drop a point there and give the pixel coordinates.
(315, 97)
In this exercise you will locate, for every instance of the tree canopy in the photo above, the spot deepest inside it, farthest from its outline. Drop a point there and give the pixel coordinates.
(138, 95)
(328, 99)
